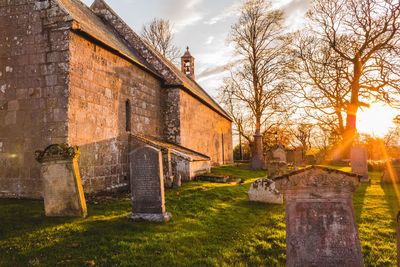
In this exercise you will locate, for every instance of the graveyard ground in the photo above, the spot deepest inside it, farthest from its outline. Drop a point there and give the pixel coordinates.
(212, 225)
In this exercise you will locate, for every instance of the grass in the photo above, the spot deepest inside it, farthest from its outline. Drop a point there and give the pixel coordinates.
(212, 225)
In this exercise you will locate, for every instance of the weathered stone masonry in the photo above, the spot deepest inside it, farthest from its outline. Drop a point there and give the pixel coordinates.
(100, 84)
(33, 90)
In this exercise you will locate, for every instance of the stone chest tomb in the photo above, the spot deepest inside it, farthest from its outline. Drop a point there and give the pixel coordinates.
(320, 222)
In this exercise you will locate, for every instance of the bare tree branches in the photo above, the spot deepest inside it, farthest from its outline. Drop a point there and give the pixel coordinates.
(364, 35)
(159, 34)
(256, 81)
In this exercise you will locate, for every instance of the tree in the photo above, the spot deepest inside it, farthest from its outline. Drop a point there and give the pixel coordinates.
(363, 34)
(319, 79)
(159, 34)
(256, 79)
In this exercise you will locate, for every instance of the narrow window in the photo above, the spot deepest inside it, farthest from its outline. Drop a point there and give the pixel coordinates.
(128, 115)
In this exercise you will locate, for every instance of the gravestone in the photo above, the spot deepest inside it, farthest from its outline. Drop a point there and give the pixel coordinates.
(147, 185)
(359, 162)
(279, 154)
(63, 191)
(320, 222)
(263, 190)
(391, 175)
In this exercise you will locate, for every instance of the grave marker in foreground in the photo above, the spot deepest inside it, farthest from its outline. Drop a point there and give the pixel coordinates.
(147, 185)
(320, 222)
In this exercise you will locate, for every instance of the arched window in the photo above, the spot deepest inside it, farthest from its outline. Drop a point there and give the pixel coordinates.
(128, 115)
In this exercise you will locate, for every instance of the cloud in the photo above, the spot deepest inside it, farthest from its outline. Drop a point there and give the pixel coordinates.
(228, 12)
(210, 39)
(211, 71)
(182, 13)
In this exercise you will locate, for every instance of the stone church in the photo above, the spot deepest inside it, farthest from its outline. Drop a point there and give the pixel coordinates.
(81, 76)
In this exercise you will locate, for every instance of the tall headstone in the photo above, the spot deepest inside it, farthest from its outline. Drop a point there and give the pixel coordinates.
(63, 191)
(147, 185)
(320, 221)
(359, 162)
(257, 158)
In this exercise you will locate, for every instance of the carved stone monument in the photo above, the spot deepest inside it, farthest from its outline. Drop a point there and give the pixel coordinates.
(263, 190)
(359, 162)
(320, 222)
(147, 185)
(63, 191)
(257, 159)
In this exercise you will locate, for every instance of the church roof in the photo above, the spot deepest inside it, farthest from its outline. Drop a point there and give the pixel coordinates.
(103, 24)
(86, 21)
(174, 148)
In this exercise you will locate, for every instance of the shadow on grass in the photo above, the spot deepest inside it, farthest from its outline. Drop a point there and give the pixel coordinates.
(212, 225)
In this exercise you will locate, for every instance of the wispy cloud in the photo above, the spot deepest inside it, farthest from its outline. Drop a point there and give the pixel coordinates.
(210, 39)
(228, 12)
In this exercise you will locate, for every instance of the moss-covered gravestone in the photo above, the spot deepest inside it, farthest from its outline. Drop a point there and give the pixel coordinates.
(147, 185)
(320, 223)
(62, 187)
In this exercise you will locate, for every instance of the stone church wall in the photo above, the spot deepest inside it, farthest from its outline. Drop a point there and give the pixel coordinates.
(33, 90)
(204, 130)
(100, 84)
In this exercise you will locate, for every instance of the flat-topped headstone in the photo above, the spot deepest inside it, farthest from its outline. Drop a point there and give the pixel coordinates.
(320, 222)
(63, 191)
(359, 162)
(147, 185)
(263, 190)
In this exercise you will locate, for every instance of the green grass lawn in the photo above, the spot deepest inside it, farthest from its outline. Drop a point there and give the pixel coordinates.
(212, 225)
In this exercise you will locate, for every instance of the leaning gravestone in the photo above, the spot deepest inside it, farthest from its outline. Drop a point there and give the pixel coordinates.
(263, 190)
(359, 162)
(147, 185)
(63, 191)
(320, 222)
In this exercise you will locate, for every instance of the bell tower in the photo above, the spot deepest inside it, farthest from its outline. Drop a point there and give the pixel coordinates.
(187, 64)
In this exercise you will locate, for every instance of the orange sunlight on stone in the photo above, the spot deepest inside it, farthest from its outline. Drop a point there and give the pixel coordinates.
(376, 120)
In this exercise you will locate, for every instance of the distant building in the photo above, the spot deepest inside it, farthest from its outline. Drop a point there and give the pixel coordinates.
(81, 76)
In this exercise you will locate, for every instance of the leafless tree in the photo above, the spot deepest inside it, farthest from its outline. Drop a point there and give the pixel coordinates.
(256, 80)
(160, 35)
(363, 35)
(319, 82)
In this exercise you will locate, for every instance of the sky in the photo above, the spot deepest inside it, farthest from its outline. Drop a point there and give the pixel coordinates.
(203, 25)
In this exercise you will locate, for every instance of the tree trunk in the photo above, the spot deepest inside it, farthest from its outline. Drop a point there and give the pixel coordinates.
(352, 108)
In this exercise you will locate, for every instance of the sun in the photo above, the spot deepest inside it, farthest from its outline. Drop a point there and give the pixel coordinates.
(376, 120)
